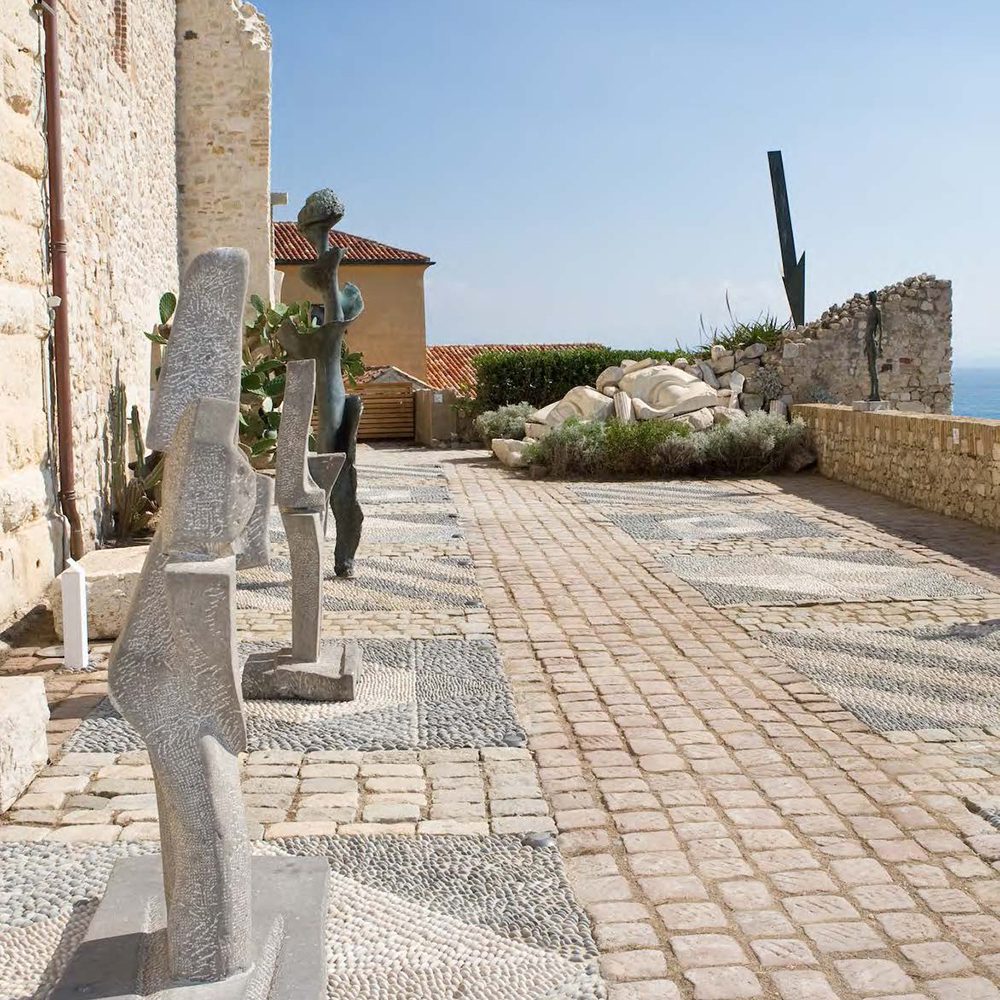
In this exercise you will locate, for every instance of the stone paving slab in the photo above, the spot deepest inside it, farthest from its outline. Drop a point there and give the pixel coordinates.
(488, 918)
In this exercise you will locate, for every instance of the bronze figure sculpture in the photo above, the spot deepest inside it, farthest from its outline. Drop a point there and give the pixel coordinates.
(873, 344)
(339, 413)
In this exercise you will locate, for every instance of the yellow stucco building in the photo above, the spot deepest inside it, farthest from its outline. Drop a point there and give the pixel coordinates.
(392, 329)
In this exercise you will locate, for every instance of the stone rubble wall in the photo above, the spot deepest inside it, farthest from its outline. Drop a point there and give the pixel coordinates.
(825, 361)
(121, 207)
(949, 465)
(224, 133)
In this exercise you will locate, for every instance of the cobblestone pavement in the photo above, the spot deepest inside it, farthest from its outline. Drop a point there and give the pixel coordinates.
(798, 799)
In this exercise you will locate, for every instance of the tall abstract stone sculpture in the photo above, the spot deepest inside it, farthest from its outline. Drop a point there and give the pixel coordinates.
(204, 914)
(339, 414)
(309, 670)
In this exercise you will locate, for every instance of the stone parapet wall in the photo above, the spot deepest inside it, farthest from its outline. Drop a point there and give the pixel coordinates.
(950, 465)
(825, 361)
(224, 133)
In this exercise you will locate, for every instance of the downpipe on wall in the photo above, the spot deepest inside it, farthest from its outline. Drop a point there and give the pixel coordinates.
(48, 9)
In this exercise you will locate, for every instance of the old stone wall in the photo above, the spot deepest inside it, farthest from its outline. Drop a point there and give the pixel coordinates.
(118, 82)
(825, 361)
(950, 465)
(224, 133)
(29, 533)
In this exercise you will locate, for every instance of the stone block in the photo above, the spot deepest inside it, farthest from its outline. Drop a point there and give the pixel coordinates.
(751, 401)
(24, 751)
(536, 431)
(112, 576)
(510, 452)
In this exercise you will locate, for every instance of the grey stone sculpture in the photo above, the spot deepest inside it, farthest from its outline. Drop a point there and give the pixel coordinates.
(203, 915)
(339, 414)
(303, 483)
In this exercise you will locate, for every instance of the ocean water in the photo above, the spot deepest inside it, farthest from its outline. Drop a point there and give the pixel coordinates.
(977, 392)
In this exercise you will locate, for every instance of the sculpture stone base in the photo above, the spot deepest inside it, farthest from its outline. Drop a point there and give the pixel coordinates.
(123, 956)
(270, 675)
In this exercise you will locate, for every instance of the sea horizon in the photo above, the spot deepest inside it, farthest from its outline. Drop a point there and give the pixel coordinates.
(977, 390)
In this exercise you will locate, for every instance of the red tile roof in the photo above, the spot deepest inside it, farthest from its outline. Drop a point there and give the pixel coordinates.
(291, 247)
(449, 366)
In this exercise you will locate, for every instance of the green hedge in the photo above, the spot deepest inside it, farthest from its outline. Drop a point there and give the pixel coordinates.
(543, 376)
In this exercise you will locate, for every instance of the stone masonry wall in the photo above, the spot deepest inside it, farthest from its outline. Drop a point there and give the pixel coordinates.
(29, 533)
(950, 465)
(117, 63)
(224, 133)
(825, 361)
(121, 210)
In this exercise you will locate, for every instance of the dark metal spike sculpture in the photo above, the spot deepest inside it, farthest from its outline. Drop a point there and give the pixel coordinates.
(793, 271)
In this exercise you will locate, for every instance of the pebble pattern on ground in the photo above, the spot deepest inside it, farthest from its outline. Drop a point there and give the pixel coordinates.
(922, 678)
(817, 577)
(402, 582)
(670, 495)
(410, 694)
(744, 523)
(489, 918)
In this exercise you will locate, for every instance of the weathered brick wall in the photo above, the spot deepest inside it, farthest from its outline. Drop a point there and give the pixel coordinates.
(950, 465)
(27, 529)
(117, 62)
(223, 133)
(825, 361)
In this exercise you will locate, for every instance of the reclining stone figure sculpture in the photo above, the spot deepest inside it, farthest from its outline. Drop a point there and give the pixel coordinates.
(311, 670)
(206, 921)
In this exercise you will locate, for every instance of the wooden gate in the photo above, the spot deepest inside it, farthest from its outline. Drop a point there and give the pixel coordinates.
(389, 412)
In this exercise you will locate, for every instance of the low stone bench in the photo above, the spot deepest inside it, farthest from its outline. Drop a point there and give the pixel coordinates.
(24, 751)
(112, 575)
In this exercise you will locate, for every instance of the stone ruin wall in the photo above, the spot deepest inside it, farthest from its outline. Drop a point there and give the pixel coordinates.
(825, 362)
(120, 200)
(224, 133)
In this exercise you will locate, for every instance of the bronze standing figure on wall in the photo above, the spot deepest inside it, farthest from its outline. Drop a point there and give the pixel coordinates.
(873, 344)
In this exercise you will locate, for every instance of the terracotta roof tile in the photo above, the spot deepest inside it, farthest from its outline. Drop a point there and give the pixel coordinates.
(291, 247)
(449, 366)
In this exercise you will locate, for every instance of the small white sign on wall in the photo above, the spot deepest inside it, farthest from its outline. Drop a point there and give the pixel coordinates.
(439, 397)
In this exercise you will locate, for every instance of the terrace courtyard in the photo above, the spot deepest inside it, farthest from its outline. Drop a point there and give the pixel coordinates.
(644, 740)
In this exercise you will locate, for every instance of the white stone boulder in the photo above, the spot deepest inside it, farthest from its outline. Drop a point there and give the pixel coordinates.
(580, 403)
(624, 411)
(667, 391)
(697, 420)
(609, 391)
(541, 416)
(633, 366)
(536, 431)
(24, 750)
(511, 452)
(728, 415)
(609, 377)
(112, 575)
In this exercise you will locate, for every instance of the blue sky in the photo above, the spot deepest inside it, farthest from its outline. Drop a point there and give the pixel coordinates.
(585, 170)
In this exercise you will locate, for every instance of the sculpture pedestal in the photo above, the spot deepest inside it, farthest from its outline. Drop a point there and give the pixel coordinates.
(124, 955)
(277, 675)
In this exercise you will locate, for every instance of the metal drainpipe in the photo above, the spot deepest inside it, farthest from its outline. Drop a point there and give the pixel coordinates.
(57, 255)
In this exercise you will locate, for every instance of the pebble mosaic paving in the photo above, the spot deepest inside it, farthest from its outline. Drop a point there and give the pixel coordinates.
(875, 575)
(713, 527)
(388, 582)
(410, 694)
(483, 918)
(929, 677)
(642, 494)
